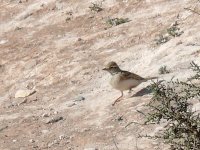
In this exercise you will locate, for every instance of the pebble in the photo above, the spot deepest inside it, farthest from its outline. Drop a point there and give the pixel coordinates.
(196, 107)
(79, 39)
(54, 119)
(61, 137)
(31, 141)
(85, 130)
(55, 112)
(120, 118)
(45, 131)
(45, 115)
(24, 93)
(3, 41)
(90, 149)
(52, 143)
(3, 127)
(71, 105)
(80, 98)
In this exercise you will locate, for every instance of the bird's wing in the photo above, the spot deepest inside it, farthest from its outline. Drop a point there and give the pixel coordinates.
(126, 74)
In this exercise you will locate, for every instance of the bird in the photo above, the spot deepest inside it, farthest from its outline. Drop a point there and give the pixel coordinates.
(123, 80)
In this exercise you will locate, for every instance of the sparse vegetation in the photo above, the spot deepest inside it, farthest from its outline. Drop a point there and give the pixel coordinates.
(163, 70)
(174, 30)
(162, 39)
(96, 7)
(117, 21)
(172, 102)
(171, 32)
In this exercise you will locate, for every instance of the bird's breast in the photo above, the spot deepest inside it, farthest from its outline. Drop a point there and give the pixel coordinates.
(121, 84)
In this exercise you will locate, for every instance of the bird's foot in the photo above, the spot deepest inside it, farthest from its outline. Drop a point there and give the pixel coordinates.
(130, 90)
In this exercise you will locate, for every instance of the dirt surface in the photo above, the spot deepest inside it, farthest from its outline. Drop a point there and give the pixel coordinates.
(56, 49)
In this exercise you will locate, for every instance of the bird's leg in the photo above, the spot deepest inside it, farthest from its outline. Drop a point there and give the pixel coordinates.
(118, 99)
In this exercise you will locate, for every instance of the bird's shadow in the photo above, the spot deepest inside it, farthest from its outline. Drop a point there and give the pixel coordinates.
(142, 92)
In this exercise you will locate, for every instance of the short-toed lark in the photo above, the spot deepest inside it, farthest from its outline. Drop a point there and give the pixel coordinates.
(123, 80)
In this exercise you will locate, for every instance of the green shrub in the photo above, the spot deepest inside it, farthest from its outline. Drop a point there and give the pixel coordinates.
(96, 7)
(163, 70)
(171, 102)
(117, 21)
(169, 33)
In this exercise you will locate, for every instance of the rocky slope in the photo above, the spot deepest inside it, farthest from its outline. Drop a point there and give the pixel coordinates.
(54, 51)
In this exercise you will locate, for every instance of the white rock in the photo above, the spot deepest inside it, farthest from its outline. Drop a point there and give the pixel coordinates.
(55, 112)
(31, 141)
(45, 115)
(45, 131)
(61, 137)
(3, 41)
(23, 93)
(80, 98)
(196, 107)
(53, 120)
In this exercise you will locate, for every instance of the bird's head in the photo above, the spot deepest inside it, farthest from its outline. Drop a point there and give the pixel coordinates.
(112, 67)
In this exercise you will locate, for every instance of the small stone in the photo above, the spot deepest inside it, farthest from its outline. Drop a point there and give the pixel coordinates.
(45, 115)
(67, 19)
(18, 28)
(80, 98)
(24, 93)
(52, 143)
(35, 146)
(45, 131)
(55, 141)
(90, 148)
(3, 127)
(71, 105)
(31, 141)
(196, 107)
(79, 39)
(3, 41)
(14, 140)
(120, 118)
(30, 85)
(55, 112)
(54, 119)
(61, 137)
(85, 130)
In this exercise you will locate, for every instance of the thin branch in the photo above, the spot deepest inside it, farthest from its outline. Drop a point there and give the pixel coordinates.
(192, 10)
(115, 143)
(132, 123)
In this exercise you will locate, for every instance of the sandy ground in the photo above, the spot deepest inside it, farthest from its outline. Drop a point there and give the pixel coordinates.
(58, 49)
